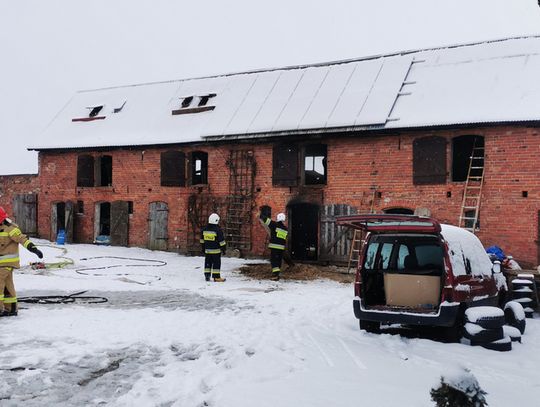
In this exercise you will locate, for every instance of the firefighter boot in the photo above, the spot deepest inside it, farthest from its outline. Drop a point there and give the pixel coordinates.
(275, 277)
(219, 279)
(11, 313)
(207, 276)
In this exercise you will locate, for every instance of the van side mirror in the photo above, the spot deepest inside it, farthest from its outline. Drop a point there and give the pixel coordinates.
(496, 266)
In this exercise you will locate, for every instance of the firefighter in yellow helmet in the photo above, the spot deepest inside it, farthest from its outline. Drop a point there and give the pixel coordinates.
(10, 238)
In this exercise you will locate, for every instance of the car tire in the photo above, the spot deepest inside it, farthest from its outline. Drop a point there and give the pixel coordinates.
(502, 345)
(516, 294)
(490, 318)
(514, 314)
(370, 326)
(513, 332)
(529, 312)
(475, 332)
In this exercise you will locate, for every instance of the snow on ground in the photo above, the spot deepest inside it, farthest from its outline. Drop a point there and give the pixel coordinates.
(168, 338)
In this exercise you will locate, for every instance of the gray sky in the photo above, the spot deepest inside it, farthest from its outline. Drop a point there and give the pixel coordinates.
(51, 48)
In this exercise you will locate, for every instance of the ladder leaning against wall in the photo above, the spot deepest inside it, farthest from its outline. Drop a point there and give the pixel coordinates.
(472, 195)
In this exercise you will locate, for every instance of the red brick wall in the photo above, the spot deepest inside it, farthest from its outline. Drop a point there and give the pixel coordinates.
(355, 166)
(11, 185)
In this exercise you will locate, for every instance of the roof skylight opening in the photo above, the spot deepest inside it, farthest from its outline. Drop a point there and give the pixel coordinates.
(119, 109)
(187, 101)
(203, 100)
(95, 111)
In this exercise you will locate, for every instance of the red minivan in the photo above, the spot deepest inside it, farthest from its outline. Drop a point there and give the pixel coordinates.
(414, 271)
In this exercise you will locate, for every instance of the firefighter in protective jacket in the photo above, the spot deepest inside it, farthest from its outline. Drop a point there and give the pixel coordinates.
(213, 243)
(10, 238)
(278, 240)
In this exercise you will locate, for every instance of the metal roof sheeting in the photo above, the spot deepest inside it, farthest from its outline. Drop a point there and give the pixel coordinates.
(496, 81)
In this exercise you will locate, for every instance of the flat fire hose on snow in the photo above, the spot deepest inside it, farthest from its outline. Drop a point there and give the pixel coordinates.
(63, 299)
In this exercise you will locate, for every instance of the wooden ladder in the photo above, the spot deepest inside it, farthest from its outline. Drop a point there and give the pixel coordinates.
(354, 253)
(470, 206)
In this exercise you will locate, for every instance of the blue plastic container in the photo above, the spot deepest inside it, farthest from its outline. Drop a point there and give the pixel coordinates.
(61, 237)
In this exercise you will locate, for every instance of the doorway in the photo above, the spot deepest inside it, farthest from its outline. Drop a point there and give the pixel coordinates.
(62, 219)
(102, 225)
(304, 230)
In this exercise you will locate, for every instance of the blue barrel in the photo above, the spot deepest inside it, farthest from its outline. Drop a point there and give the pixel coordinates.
(61, 237)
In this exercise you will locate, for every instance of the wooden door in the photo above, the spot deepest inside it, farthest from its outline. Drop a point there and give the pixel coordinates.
(335, 240)
(119, 223)
(25, 213)
(158, 226)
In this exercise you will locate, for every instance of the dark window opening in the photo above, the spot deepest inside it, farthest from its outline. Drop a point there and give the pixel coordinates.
(315, 164)
(95, 111)
(204, 99)
(80, 207)
(469, 220)
(266, 211)
(524, 194)
(130, 207)
(464, 157)
(199, 167)
(187, 101)
(85, 171)
(399, 211)
(285, 165)
(104, 171)
(173, 169)
(429, 161)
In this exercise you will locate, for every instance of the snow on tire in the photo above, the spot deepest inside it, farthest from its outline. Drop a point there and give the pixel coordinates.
(486, 317)
(502, 345)
(475, 332)
(512, 332)
(514, 314)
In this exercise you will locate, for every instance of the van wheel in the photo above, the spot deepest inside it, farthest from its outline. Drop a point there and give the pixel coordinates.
(370, 326)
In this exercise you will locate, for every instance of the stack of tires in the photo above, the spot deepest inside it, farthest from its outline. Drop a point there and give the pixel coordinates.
(523, 291)
(495, 329)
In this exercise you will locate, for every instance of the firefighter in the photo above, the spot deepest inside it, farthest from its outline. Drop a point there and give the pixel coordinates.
(10, 237)
(278, 239)
(213, 243)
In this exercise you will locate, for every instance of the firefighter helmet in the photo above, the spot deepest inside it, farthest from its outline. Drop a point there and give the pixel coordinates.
(213, 219)
(3, 215)
(281, 217)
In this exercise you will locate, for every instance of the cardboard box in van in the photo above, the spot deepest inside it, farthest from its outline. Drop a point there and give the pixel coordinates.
(410, 290)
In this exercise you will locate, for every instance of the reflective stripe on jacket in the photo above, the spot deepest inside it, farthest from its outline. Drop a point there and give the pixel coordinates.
(278, 234)
(212, 239)
(10, 238)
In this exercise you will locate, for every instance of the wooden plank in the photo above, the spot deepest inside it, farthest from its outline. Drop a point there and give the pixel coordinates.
(119, 223)
(68, 225)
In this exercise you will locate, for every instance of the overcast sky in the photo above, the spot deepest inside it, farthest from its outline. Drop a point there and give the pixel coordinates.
(51, 48)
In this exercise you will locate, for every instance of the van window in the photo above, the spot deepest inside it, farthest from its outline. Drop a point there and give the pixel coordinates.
(402, 253)
(370, 256)
(429, 256)
(421, 253)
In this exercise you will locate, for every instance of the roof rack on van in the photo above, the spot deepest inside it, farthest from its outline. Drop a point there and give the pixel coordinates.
(390, 222)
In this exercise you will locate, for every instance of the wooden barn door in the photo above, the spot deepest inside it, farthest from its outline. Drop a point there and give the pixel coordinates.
(119, 223)
(158, 226)
(335, 241)
(25, 213)
(69, 221)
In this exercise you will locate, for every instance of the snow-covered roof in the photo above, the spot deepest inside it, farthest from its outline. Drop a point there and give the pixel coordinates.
(488, 82)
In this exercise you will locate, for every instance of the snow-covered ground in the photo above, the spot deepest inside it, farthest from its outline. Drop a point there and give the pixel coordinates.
(168, 338)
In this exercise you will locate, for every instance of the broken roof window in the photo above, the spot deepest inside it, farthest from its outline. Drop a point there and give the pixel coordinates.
(202, 105)
(187, 101)
(95, 111)
(203, 100)
(119, 109)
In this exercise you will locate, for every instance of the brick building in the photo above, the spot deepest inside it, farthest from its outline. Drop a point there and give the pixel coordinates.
(144, 165)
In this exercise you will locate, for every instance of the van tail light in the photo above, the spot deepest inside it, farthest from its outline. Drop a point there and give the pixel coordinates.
(447, 293)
